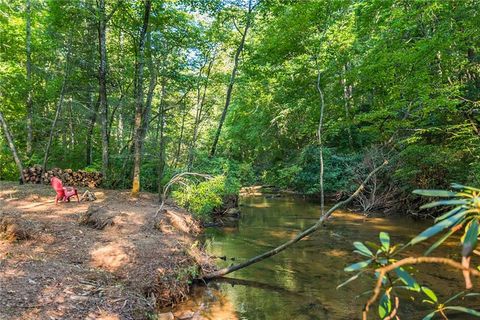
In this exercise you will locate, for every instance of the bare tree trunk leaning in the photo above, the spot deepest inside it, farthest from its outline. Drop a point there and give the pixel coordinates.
(320, 143)
(11, 144)
(232, 79)
(138, 143)
(299, 236)
(29, 80)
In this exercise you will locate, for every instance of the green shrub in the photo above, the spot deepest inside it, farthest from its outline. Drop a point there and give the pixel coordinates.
(8, 169)
(241, 171)
(205, 197)
(302, 173)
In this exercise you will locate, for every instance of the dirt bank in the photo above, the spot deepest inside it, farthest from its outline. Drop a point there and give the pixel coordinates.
(108, 259)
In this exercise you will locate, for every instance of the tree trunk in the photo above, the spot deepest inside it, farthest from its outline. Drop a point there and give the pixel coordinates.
(160, 108)
(29, 81)
(91, 126)
(180, 141)
(199, 111)
(121, 128)
(71, 125)
(151, 90)
(11, 144)
(138, 143)
(102, 82)
(232, 80)
(63, 135)
(57, 114)
(320, 144)
(347, 96)
(161, 136)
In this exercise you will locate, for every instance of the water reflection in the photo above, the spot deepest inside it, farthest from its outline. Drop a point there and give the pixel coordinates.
(301, 282)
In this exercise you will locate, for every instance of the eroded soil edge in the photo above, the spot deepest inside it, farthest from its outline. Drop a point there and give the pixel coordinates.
(108, 259)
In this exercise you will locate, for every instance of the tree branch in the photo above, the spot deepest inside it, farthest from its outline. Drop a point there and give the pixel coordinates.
(409, 261)
(113, 11)
(236, 27)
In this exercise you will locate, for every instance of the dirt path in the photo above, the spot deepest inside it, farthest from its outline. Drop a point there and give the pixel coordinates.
(65, 270)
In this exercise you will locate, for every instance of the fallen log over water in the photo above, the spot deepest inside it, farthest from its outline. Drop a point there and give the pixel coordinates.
(300, 236)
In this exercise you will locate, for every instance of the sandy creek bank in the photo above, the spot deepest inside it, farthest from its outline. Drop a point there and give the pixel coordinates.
(108, 259)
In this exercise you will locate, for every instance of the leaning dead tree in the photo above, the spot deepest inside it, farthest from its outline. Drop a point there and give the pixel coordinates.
(11, 144)
(299, 236)
(320, 143)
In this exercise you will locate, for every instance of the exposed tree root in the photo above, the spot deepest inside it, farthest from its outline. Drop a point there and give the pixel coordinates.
(13, 228)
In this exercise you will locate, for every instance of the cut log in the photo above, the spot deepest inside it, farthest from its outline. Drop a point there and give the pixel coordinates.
(69, 177)
(88, 196)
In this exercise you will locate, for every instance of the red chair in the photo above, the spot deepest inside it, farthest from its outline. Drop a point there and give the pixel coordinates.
(63, 193)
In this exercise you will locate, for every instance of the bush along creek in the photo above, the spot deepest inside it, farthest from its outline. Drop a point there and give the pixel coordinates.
(213, 201)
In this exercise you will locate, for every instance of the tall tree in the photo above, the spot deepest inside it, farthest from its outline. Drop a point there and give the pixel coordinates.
(93, 106)
(200, 101)
(29, 78)
(139, 108)
(160, 139)
(151, 89)
(102, 84)
(11, 144)
(58, 110)
(102, 21)
(232, 77)
(320, 142)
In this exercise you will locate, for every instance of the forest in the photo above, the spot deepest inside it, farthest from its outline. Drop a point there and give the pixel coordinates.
(231, 86)
(195, 99)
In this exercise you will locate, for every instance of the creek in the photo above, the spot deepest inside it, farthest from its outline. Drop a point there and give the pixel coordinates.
(300, 283)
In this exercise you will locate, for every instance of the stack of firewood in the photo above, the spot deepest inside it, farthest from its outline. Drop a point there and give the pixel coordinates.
(69, 177)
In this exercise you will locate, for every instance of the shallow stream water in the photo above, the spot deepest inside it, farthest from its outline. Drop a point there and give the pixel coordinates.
(300, 283)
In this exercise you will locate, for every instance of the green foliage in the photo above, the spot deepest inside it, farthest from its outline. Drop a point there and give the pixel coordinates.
(388, 68)
(8, 170)
(243, 172)
(464, 216)
(204, 198)
(302, 172)
(187, 273)
(94, 167)
(466, 213)
(442, 308)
